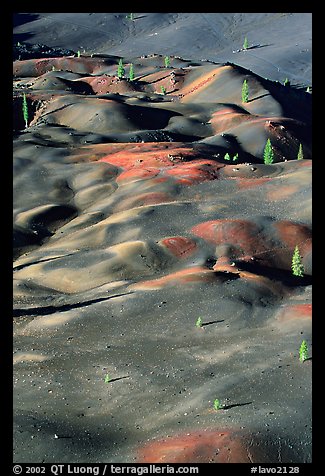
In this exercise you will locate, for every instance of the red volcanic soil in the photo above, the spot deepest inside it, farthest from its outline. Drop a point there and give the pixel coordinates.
(296, 311)
(195, 274)
(199, 447)
(131, 222)
(180, 246)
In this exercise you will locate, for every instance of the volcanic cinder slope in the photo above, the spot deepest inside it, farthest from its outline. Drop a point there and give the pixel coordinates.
(130, 223)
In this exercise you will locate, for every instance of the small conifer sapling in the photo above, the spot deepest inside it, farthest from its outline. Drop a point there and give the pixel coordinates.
(198, 322)
(131, 73)
(303, 351)
(296, 265)
(120, 69)
(245, 45)
(268, 154)
(25, 110)
(167, 61)
(300, 155)
(244, 91)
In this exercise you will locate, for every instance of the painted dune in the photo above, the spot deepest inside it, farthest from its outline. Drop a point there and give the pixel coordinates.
(139, 206)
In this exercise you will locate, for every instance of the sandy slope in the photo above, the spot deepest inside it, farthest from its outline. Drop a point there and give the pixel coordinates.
(130, 223)
(282, 41)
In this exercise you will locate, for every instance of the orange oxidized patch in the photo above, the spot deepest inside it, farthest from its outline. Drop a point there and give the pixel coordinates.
(293, 234)
(144, 199)
(235, 231)
(136, 173)
(194, 274)
(196, 447)
(179, 246)
(295, 311)
(245, 183)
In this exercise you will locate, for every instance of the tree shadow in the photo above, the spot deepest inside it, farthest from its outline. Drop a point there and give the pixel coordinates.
(284, 276)
(212, 322)
(254, 47)
(227, 407)
(119, 378)
(258, 97)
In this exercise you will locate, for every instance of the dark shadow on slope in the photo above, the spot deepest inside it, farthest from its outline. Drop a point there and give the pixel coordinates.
(212, 322)
(258, 97)
(296, 104)
(45, 310)
(254, 47)
(22, 18)
(227, 407)
(70, 428)
(283, 275)
(119, 378)
(21, 37)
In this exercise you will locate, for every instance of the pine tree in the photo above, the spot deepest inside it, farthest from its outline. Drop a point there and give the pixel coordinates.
(300, 155)
(217, 405)
(199, 322)
(131, 73)
(167, 61)
(245, 45)
(303, 351)
(120, 69)
(244, 91)
(296, 265)
(268, 154)
(227, 156)
(25, 110)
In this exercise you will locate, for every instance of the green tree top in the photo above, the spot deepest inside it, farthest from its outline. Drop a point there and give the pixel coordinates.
(245, 45)
(244, 91)
(303, 351)
(25, 110)
(296, 264)
(300, 155)
(120, 69)
(131, 73)
(167, 61)
(199, 322)
(268, 154)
